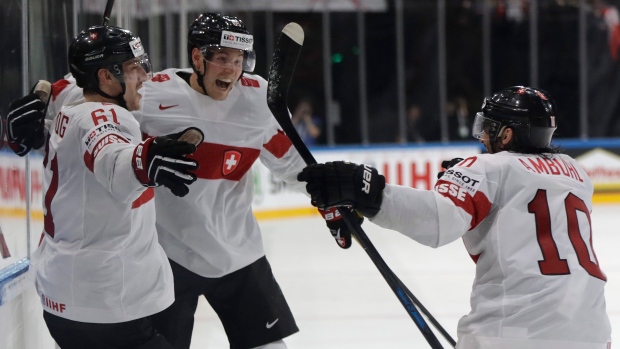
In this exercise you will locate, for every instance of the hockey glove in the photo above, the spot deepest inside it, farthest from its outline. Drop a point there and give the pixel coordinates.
(447, 164)
(337, 227)
(25, 124)
(340, 183)
(161, 161)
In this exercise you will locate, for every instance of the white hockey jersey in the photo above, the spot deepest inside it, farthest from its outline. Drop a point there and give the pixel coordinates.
(99, 260)
(212, 230)
(525, 220)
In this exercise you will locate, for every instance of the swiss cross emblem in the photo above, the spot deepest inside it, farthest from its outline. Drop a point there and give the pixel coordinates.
(93, 36)
(231, 160)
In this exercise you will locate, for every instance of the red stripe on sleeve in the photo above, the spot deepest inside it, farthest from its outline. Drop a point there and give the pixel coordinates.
(278, 145)
(477, 206)
(58, 86)
(145, 197)
(475, 257)
(89, 159)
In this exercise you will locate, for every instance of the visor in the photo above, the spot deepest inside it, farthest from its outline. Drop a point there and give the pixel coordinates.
(247, 63)
(142, 61)
(483, 124)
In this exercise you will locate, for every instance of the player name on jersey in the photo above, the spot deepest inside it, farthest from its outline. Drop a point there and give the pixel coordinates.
(555, 166)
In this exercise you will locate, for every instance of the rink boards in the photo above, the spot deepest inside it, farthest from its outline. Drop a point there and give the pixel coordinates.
(411, 165)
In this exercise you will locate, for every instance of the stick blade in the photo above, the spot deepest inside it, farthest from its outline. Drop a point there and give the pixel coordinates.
(43, 89)
(281, 72)
(282, 67)
(295, 32)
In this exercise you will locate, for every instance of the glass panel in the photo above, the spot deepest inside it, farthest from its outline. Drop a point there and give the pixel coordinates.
(422, 72)
(13, 219)
(603, 81)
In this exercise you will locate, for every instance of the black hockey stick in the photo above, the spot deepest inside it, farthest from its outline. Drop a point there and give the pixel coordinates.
(281, 71)
(107, 12)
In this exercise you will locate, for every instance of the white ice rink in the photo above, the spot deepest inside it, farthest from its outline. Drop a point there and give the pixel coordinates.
(341, 301)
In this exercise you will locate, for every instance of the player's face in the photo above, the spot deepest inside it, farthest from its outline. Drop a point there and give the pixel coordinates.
(484, 139)
(223, 69)
(135, 73)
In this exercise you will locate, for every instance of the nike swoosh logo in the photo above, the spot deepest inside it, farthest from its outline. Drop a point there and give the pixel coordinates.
(161, 107)
(270, 324)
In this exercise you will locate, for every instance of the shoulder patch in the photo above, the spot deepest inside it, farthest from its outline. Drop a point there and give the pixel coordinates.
(468, 181)
(160, 78)
(102, 135)
(249, 82)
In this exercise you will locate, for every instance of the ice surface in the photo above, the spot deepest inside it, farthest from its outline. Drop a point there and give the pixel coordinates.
(341, 301)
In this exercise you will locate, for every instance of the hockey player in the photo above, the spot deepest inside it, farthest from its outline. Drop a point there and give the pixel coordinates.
(210, 236)
(100, 271)
(523, 211)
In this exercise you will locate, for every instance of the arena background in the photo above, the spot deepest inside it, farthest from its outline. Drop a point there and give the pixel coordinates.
(393, 83)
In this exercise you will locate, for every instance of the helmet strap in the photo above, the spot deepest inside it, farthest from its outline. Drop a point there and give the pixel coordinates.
(200, 76)
(119, 99)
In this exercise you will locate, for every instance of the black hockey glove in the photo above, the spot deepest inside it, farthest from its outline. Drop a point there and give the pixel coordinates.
(340, 183)
(447, 164)
(25, 124)
(337, 227)
(161, 161)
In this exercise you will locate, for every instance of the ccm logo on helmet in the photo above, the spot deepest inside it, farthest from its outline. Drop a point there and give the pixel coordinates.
(367, 177)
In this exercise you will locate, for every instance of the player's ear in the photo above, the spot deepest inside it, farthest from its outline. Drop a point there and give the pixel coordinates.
(105, 76)
(196, 57)
(506, 135)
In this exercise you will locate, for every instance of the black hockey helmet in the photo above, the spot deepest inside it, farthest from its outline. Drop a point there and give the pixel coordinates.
(530, 112)
(213, 31)
(104, 47)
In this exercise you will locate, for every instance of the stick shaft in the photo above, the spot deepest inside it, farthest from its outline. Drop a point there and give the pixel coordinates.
(280, 75)
(107, 12)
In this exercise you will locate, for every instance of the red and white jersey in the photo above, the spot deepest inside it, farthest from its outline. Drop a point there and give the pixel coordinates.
(212, 230)
(64, 91)
(99, 260)
(525, 220)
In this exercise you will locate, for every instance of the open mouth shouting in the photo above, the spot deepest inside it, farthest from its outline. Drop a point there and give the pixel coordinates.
(223, 84)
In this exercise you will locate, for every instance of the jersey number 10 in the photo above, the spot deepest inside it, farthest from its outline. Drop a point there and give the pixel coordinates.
(552, 264)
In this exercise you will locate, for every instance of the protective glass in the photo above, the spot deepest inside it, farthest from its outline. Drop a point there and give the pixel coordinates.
(225, 58)
(137, 68)
(483, 124)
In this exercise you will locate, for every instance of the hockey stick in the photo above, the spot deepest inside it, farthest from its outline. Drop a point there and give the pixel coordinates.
(281, 71)
(107, 12)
